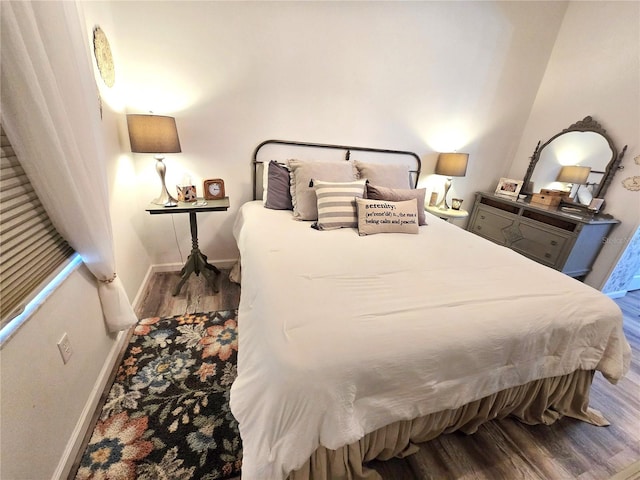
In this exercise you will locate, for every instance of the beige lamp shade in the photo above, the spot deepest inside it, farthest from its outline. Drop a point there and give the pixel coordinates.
(452, 164)
(153, 134)
(574, 174)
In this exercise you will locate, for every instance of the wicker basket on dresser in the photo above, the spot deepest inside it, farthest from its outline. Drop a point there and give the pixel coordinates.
(569, 242)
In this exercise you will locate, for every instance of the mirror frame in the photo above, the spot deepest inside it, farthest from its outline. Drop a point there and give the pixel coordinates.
(588, 124)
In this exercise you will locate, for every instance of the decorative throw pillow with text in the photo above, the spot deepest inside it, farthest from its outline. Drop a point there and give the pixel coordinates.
(381, 216)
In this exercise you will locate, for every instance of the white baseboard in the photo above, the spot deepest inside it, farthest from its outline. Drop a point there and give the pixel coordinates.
(141, 289)
(617, 294)
(632, 472)
(176, 267)
(84, 422)
(170, 267)
(165, 267)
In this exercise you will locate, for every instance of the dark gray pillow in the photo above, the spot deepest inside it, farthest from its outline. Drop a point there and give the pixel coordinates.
(278, 191)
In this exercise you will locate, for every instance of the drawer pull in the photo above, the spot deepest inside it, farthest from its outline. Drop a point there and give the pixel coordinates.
(554, 243)
(547, 255)
(478, 227)
(482, 217)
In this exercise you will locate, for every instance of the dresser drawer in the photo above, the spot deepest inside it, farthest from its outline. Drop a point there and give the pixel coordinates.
(490, 224)
(542, 244)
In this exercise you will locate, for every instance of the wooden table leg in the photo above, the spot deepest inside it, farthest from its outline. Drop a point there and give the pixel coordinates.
(197, 261)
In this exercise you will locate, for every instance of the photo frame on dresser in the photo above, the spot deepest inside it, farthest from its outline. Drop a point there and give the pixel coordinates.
(509, 188)
(596, 205)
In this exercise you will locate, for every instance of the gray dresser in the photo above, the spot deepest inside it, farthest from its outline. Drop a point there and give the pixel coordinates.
(569, 242)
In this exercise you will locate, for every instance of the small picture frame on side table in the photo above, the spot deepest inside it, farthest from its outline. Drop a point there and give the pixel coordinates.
(456, 203)
(433, 199)
(596, 205)
(508, 188)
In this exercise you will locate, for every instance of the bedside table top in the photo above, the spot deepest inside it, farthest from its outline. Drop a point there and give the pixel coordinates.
(448, 213)
(201, 205)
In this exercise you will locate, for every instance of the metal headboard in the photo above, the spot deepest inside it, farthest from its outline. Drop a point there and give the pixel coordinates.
(347, 149)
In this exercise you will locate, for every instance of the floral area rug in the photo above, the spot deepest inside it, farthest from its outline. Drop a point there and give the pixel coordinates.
(167, 414)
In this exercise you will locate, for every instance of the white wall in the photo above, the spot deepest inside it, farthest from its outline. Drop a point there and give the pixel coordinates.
(420, 76)
(132, 258)
(44, 403)
(594, 70)
(42, 398)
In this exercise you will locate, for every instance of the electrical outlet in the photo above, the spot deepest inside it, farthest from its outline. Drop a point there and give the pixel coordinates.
(64, 345)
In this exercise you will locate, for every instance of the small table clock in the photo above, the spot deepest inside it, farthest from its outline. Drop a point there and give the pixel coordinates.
(214, 189)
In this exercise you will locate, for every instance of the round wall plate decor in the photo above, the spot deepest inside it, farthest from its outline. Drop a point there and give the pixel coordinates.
(104, 60)
(632, 183)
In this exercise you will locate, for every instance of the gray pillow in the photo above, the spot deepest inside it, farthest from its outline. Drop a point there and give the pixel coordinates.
(390, 176)
(278, 194)
(397, 194)
(303, 195)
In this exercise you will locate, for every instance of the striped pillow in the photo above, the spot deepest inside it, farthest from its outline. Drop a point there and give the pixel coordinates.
(337, 203)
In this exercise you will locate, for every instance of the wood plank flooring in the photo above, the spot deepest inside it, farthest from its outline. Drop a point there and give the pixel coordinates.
(194, 297)
(504, 449)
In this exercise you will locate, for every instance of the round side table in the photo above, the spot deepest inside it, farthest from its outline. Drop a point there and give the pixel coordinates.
(448, 214)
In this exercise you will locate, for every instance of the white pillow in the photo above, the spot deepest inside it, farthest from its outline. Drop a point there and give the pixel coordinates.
(303, 196)
(382, 216)
(337, 203)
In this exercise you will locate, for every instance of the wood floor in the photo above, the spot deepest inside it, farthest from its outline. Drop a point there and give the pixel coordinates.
(504, 449)
(194, 297)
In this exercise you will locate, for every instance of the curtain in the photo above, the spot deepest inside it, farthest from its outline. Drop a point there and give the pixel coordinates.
(50, 111)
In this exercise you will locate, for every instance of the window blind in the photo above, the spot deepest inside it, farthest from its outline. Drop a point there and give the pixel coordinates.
(31, 249)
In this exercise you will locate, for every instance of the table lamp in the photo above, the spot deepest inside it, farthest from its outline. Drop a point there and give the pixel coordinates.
(574, 175)
(450, 165)
(155, 134)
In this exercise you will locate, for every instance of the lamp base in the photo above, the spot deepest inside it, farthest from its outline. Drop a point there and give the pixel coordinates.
(443, 205)
(165, 199)
(165, 202)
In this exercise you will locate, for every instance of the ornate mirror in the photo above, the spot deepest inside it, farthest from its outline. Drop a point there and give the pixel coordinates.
(584, 144)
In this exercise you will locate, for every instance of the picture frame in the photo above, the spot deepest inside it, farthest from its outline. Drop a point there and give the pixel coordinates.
(509, 188)
(596, 204)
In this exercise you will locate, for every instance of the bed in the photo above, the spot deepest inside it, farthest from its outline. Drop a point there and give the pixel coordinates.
(354, 347)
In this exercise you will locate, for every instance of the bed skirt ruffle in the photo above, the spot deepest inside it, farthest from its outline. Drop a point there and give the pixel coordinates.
(539, 402)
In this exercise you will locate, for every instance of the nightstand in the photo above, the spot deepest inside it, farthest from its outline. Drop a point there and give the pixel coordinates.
(448, 214)
(197, 261)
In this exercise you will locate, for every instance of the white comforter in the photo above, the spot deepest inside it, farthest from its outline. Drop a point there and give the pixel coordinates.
(341, 334)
